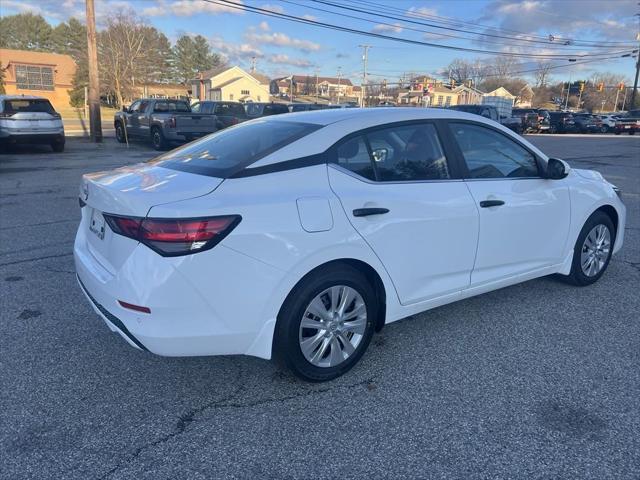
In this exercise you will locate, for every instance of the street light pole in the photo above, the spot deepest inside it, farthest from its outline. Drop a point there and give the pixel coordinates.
(95, 122)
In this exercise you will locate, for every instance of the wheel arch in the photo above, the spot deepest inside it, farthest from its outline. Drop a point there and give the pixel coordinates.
(612, 213)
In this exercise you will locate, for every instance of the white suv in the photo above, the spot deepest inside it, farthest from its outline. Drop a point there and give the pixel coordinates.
(26, 119)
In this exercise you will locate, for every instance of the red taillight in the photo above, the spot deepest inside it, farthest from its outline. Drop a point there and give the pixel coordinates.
(175, 236)
(136, 308)
(171, 122)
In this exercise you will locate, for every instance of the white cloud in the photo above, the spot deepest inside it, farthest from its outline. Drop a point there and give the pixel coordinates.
(235, 52)
(386, 28)
(264, 26)
(310, 17)
(282, 59)
(281, 40)
(272, 8)
(421, 12)
(186, 8)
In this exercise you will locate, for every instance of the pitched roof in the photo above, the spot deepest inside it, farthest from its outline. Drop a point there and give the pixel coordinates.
(224, 84)
(312, 79)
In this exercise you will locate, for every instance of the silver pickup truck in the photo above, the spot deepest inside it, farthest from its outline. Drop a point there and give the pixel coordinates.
(162, 121)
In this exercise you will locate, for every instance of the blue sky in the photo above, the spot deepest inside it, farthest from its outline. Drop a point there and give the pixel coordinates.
(282, 47)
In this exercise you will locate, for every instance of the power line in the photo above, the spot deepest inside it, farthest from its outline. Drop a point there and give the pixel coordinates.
(458, 23)
(404, 27)
(293, 18)
(354, 9)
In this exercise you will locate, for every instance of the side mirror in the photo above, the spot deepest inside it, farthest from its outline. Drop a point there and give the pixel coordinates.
(557, 169)
(380, 154)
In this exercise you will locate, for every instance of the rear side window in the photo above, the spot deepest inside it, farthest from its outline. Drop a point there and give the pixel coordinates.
(275, 109)
(397, 153)
(229, 151)
(28, 105)
(489, 154)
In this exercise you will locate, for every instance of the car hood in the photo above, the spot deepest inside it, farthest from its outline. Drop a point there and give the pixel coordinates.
(589, 174)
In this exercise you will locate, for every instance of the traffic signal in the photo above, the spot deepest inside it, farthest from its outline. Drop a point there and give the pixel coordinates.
(600, 86)
(621, 86)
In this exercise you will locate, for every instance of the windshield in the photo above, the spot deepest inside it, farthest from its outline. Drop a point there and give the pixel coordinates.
(172, 106)
(229, 151)
(30, 106)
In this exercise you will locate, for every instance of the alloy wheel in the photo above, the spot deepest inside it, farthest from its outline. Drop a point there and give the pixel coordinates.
(332, 326)
(595, 250)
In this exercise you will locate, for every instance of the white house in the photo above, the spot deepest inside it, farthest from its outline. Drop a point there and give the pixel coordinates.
(230, 84)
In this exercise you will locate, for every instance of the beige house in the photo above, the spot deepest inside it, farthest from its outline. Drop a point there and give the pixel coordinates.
(432, 96)
(501, 92)
(230, 84)
(468, 95)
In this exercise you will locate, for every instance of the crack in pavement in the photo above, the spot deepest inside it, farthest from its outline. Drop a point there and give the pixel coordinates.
(34, 259)
(187, 418)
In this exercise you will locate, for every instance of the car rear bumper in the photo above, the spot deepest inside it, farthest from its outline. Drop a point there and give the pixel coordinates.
(211, 303)
(31, 138)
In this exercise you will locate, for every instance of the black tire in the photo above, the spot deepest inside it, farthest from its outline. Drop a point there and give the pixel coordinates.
(604, 129)
(120, 134)
(57, 147)
(157, 139)
(577, 276)
(617, 132)
(286, 344)
(632, 132)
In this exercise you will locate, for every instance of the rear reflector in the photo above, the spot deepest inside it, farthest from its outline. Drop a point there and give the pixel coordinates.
(136, 308)
(172, 237)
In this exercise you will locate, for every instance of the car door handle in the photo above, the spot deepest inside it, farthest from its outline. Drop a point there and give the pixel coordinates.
(365, 212)
(491, 203)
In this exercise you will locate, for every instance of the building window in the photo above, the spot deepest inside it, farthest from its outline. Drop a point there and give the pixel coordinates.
(31, 77)
(448, 101)
(244, 92)
(231, 96)
(440, 99)
(258, 97)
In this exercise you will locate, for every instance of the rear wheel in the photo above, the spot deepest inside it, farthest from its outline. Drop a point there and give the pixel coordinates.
(592, 251)
(604, 129)
(157, 139)
(326, 323)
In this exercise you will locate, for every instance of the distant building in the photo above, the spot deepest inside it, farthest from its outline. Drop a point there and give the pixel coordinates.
(468, 95)
(230, 84)
(310, 84)
(48, 75)
(501, 92)
(162, 90)
(429, 94)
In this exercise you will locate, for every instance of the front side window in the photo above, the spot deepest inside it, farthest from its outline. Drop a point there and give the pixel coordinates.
(490, 154)
(32, 77)
(397, 153)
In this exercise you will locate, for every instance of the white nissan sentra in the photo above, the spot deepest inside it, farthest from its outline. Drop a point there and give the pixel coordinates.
(297, 236)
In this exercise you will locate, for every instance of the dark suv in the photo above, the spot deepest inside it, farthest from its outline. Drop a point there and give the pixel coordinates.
(561, 122)
(255, 110)
(487, 111)
(587, 123)
(227, 113)
(530, 119)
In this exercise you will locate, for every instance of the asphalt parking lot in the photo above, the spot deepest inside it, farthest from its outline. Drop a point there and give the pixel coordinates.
(539, 380)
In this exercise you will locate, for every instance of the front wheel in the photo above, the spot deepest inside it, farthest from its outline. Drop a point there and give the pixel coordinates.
(326, 323)
(120, 134)
(592, 251)
(604, 129)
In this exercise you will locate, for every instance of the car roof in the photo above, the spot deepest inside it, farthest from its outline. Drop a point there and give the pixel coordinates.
(21, 97)
(370, 115)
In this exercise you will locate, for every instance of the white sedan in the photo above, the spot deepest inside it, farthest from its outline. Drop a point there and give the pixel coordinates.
(297, 236)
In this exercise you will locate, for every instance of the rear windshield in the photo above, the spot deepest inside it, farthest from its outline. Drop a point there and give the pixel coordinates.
(229, 151)
(28, 105)
(171, 106)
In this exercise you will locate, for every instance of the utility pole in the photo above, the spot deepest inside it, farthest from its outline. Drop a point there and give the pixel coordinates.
(339, 78)
(291, 88)
(615, 105)
(316, 85)
(253, 65)
(95, 122)
(635, 82)
(566, 104)
(365, 58)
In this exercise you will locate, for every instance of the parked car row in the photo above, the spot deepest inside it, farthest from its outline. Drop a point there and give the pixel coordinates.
(25, 119)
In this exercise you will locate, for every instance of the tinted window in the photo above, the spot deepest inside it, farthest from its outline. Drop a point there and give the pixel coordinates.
(172, 106)
(253, 109)
(135, 106)
(234, 109)
(401, 153)
(489, 154)
(353, 155)
(275, 109)
(231, 150)
(143, 106)
(28, 105)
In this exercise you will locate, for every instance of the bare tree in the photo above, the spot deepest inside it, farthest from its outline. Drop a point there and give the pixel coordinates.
(503, 67)
(541, 74)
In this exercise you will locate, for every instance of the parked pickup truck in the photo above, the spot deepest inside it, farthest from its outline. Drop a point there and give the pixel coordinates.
(162, 122)
(629, 123)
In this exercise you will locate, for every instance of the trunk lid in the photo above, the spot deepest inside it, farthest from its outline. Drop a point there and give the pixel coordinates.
(131, 191)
